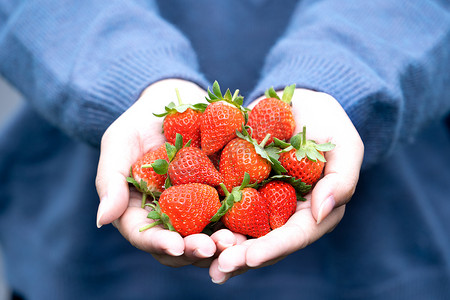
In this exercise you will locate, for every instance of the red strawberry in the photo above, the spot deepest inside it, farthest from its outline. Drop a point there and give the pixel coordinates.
(185, 208)
(304, 159)
(249, 216)
(281, 198)
(223, 116)
(192, 165)
(183, 119)
(239, 157)
(273, 116)
(215, 159)
(146, 179)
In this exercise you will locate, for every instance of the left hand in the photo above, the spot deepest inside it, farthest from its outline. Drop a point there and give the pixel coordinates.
(326, 121)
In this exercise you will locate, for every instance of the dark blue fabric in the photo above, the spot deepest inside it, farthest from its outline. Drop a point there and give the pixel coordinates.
(394, 238)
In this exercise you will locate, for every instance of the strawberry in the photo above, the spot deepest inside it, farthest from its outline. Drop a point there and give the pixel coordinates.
(273, 116)
(147, 180)
(183, 119)
(223, 116)
(215, 159)
(249, 215)
(281, 198)
(192, 165)
(185, 208)
(239, 157)
(303, 159)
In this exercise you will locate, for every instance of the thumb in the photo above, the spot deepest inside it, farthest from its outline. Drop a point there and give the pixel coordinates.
(111, 183)
(341, 175)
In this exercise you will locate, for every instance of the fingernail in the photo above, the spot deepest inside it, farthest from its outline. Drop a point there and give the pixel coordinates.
(101, 210)
(202, 254)
(325, 208)
(174, 253)
(225, 270)
(220, 280)
(224, 245)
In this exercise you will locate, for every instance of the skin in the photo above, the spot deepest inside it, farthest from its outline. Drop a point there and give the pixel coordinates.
(226, 254)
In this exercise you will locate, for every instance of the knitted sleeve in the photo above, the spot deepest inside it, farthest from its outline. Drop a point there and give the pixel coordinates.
(387, 63)
(82, 63)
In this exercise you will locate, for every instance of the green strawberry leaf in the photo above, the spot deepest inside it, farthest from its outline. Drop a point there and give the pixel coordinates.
(288, 93)
(134, 182)
(178, 141)
(239, 100)
(235, 99)
(237, 196)
(228, 95)
(300, 154)
(245, 182)
(300, 197)
(300, 187)
(167, 183)
(216, 89)
(143, 188)
(280, 144)
(171, 151)
(159, 217)
(262, 152)
(311, 153)
(166, 221)
(297, 141)
(227, 204)
(325, 147)
(271, 93)
(171, 106)
(211, 96)
(160, 166)
(273, 152)
(200, 106)
(160, 115)
(182, 108)
(154, 215)
(277, 167)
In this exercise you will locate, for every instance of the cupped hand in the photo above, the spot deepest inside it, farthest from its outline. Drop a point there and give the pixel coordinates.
(134, 133)
(325, 121)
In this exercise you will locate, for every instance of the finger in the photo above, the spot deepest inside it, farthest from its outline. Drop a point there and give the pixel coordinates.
(113, 169)
(198, 246)
(230, 261)
(155, 240)
(219, 277)
(224, 239)
(300, 231)
(341, 176)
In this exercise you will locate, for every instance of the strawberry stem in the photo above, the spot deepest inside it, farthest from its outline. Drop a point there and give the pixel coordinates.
(150, 225)
(144, 199)
(264, 141)
(304, 136)
(178, 96)
(224, 188)
(236, 93)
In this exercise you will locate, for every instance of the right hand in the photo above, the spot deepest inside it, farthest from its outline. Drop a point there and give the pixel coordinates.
(134, 133)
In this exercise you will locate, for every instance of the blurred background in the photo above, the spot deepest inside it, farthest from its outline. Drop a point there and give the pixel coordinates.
(9, 102)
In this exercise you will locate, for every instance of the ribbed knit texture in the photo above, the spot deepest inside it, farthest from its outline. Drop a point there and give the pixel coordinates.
(83, 63)
(384, 74)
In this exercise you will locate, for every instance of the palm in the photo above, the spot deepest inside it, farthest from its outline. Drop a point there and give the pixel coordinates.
(128, 138)
(325, 121)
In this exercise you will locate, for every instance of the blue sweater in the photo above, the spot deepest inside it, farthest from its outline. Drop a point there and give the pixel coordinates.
(80, 64)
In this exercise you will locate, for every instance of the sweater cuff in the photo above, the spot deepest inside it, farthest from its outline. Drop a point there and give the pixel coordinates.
(122, 84)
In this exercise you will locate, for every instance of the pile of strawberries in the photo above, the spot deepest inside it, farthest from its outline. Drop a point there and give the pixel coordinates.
(226, 165)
